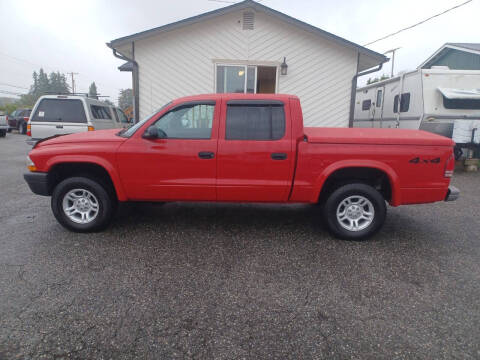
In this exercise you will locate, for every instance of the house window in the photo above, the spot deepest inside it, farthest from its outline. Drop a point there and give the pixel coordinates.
(246, 79)
(404, 103)
(379, 98)
(366, 104)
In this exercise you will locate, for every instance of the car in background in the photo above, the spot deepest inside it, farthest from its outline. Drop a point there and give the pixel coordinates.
(18, 120)
(3, 123)
(68, 114)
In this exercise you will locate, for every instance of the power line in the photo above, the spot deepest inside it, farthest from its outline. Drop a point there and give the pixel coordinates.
(10, 93)
(15, 86)
(419, 23)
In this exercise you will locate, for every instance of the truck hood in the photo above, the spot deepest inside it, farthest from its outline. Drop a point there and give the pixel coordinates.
(375, 136)
(83, 137)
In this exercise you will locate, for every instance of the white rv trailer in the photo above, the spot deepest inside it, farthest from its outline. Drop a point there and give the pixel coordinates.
(439, 100)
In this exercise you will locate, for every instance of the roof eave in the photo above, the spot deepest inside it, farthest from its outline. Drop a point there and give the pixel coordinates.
(380, 58)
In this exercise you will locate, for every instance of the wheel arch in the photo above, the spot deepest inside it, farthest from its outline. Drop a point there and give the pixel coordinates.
(328, 175)
(73, 165)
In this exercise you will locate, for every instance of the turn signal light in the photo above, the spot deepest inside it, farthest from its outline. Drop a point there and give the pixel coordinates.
(91, 128)
(29, 130)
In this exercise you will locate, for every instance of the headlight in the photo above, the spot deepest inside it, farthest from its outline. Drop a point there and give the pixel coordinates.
(30, 164)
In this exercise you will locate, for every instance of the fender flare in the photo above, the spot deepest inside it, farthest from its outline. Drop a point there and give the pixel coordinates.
(91, 159)
(387, 169)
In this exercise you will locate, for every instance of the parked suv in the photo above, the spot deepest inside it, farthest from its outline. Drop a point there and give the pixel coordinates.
(18, 120)
(3, 123)
(67, 114)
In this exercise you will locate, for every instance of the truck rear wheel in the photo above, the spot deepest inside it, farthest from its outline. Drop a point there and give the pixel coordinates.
(355, 211)
(82, 205)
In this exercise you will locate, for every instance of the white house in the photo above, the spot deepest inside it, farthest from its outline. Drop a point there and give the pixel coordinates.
(246, 47)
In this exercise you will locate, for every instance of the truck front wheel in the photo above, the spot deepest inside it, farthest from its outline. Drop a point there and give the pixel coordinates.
(355, 211)
(82, 205)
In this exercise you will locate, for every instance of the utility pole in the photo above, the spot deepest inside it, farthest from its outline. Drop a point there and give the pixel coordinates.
(393, 58)
(73, 81)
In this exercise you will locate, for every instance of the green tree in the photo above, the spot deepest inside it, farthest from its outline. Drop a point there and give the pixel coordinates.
(55, 83)
(125, 98)
(376, 79)
(108, 102)
(92, 91)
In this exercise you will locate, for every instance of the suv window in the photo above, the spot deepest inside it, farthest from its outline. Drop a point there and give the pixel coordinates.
(255, 122)
(56, 110)
(122, 117)
(189, 121)
(100, 112)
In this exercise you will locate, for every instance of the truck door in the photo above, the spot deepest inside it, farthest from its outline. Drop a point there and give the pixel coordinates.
(255, 151)
(180, 166)
(378, 107)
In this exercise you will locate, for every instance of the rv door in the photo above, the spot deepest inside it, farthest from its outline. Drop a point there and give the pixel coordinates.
(378, 107)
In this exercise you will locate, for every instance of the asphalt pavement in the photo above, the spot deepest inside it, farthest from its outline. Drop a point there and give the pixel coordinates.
(231, 281)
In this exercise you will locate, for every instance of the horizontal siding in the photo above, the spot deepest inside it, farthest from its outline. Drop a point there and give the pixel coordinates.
(181, 62)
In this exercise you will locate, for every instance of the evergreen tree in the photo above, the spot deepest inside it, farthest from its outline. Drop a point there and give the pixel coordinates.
(92, 91)
(125, 98)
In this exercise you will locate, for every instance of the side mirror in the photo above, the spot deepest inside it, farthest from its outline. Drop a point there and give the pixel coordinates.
(153, 132)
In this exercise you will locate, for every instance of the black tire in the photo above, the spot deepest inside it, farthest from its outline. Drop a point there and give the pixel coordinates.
(3, 133)
(22, 129)
(106, 204)
(353, 191)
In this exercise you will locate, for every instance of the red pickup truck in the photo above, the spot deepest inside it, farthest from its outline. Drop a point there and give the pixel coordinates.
(242, 148)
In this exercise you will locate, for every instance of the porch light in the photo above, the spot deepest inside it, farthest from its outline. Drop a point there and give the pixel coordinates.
(284, 67)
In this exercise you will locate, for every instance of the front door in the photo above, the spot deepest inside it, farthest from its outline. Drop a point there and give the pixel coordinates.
(181, 166)
(255, 155)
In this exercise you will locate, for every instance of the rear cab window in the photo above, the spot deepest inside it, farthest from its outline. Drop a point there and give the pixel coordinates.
(60, 110)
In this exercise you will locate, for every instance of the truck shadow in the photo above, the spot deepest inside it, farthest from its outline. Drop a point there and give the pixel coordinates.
(223, 217)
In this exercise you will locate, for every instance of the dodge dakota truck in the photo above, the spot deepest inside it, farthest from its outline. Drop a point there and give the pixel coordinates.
(242, 148)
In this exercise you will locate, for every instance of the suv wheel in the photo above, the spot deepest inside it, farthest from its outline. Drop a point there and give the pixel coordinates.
(82, 205)
(355, 211)
(3, 133)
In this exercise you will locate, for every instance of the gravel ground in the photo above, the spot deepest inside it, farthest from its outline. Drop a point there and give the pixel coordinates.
(228, 281)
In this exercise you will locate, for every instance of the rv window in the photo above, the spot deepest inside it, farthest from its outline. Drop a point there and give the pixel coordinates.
(379, 98)
(366, 104)
(404, 103)
(467, 104)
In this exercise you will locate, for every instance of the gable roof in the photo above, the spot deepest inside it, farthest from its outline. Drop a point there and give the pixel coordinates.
(372, 57)
(473, 48)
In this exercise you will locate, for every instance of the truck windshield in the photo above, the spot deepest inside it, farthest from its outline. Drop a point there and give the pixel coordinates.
(132, 129)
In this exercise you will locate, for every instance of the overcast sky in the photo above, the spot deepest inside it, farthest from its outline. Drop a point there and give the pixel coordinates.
(67, 35)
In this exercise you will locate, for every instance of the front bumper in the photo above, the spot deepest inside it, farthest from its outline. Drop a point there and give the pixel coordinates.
(452, 194)
(38, 183)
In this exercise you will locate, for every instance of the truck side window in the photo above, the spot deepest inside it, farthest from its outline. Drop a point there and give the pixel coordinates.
(404, 103)
(255, 122)
(189, 121)
(366, 104)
